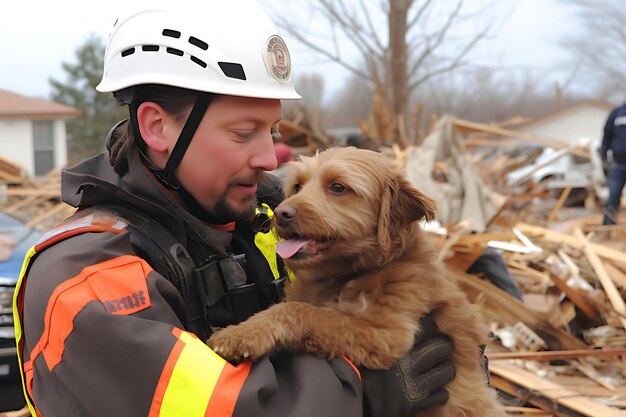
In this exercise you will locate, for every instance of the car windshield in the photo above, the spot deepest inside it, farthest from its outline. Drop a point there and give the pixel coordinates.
(15, 240)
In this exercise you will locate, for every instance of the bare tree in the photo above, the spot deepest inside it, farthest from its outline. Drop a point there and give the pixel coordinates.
(598, 47)
(400, 44)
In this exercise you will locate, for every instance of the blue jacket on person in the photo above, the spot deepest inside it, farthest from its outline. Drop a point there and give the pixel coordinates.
(615, 136)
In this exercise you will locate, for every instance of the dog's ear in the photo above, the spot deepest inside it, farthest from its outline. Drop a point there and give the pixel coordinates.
(401, 204)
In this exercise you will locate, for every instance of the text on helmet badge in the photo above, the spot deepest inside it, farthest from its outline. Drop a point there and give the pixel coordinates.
(277, 59)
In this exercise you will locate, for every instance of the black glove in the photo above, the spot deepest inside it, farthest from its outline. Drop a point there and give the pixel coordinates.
(413, 383)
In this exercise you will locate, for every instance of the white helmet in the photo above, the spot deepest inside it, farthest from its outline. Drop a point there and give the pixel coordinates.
(226, 47)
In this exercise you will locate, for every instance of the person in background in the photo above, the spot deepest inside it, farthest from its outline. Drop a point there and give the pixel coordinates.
(171, 239)
(613, 154)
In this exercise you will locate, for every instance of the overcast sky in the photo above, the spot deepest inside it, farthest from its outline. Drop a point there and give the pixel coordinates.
(36, 37)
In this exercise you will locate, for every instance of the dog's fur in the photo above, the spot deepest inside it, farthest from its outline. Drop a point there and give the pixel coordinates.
(365, 278)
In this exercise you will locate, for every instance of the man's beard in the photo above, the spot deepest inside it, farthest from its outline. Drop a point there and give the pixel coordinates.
(224, 213)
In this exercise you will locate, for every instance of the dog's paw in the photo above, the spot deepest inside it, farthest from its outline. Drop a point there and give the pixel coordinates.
(235, 344)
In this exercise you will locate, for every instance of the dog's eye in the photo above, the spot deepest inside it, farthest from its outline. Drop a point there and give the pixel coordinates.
(337, 188)
(297, 188)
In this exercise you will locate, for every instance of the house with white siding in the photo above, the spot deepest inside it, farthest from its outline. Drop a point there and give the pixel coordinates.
(578, 124)
(32, 132)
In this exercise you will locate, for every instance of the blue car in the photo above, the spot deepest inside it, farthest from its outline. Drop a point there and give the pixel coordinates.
(11, 397)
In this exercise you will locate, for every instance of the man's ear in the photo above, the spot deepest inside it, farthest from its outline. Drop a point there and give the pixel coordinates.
(150, 119)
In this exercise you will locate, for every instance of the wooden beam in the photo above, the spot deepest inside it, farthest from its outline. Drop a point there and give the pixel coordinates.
(501, 307)
(541, 140)
(557, 354)
(607, 283)
(578, 300)
(54, 210)
(559, 204)
(551, 235)
(32, 191)
(545, 394)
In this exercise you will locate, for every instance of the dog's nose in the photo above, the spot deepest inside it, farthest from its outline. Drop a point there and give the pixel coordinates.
(284, 214)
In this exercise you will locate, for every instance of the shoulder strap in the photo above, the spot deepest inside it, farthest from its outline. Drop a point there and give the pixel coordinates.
(168, 256)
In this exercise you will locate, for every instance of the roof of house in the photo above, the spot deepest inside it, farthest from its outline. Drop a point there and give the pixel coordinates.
(16, 106)
(565, 111)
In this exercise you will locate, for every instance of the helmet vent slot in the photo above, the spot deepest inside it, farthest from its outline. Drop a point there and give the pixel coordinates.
(174, 51)
(128, 51)
(198, 61)
(197, 42)
(232, 70)
(150, 48)
(171, 33)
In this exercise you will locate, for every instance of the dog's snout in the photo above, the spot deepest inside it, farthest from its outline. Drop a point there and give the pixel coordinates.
(284, 214)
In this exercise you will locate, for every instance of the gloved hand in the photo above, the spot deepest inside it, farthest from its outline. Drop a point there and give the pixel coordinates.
(413, 383)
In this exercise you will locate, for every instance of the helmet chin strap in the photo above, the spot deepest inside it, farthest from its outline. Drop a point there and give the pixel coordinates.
(167, 175)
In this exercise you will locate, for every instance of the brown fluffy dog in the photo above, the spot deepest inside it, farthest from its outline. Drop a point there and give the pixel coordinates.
(364, 277)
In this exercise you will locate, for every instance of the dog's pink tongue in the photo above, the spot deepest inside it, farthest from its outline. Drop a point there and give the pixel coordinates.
(287, 248)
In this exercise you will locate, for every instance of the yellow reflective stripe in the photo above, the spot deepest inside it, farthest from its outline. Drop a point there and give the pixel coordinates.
(193, 379)
(266, 242)
(17, 326)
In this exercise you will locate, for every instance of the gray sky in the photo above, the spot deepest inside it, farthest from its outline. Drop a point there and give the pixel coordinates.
(36, 37)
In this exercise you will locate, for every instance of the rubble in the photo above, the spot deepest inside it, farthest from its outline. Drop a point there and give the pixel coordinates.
(561, 349)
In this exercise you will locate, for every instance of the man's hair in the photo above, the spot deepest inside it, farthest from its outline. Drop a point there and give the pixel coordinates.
(174, 100)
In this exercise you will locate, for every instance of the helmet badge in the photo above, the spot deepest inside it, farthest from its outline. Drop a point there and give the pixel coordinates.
(277, 59)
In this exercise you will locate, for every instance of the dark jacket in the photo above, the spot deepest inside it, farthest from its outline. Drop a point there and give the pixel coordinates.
(100, 331)
(615, 136)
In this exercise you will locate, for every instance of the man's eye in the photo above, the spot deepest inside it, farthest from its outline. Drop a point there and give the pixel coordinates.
(244, 134)
(337, 188)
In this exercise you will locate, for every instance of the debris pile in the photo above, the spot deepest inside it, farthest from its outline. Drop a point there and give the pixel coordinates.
(549, 278)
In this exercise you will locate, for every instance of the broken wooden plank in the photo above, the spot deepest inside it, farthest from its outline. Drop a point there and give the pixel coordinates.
(23, 192)
(618, 277)
(466, 125)
(607, 283)
(574, 296)
(501, 307)
(557, 354)
(559, 204)
(545, 394)
(601, 250)
(51, 212)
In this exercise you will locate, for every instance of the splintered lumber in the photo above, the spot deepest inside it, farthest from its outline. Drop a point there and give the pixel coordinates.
(499, 306)
(559, 204)
(466, 125)
(574, 296)
(23, 192)
(43, 216)
(557, 354)
(549, 396)
(618, 277)
(551, 235)
(607, 283)
(10, 167)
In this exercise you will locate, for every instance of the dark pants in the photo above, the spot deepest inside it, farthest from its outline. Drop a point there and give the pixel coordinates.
(615, 181)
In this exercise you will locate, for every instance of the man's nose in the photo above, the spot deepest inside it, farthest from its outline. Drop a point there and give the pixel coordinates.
(264, 156)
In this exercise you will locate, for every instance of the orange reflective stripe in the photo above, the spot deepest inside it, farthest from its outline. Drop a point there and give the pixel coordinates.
(358, 373)
(196, 382)
(229, 386)
(119, 283)
(166, 375)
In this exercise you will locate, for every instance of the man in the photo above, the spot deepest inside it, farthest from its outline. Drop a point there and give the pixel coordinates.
(613, 154)
(171, 239)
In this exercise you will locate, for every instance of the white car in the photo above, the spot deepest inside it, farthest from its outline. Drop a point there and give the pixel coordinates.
(561, 169)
